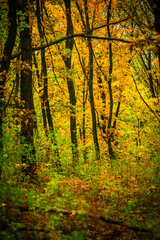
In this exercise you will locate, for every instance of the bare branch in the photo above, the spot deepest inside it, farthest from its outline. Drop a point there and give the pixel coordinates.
(145, 101)
(91, 215)
(72, 36)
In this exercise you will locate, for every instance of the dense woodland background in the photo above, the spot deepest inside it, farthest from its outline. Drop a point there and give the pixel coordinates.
(79, 119)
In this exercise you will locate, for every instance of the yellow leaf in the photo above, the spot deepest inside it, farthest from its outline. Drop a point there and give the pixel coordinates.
(74, 212)
(17, 165)
(26, 122)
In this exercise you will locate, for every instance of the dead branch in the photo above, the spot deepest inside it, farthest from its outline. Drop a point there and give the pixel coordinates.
(91, 215)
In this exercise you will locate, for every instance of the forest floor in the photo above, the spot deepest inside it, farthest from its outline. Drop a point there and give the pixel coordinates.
(96, 205)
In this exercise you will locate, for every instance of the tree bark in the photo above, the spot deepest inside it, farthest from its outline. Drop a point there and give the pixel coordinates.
(109, 127)
(151, 85)
(27, 120)
(85, 96)
(84, 121)
(71, 89)
(40, 95)
(45, 87)
(5, 63)
(155, 6)
(103, 98)
(90, 84)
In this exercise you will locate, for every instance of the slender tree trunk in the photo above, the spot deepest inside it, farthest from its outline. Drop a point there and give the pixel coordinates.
(5, 63)
(116, 115)
(155, 6)
(17, 103)
(27, 120)
(91, 96)
(103, 115)
(45, 86)
(84, 121)
(148, 67)
(103, 125)
(90, 84)
(109, 127)
(71, 89)
(151, 85)
(85, 96)
(40, 95)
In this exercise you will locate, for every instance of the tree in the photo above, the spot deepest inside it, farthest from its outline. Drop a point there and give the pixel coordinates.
(155, 6)
(46, 111)
(5, 63)
(27, 120)
(71, 89)
(86, 25)
(109, 127)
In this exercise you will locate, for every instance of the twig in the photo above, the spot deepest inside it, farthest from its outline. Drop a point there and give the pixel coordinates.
(145, 101)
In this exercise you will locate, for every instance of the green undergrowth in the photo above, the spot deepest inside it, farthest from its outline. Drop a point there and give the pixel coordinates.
(127, 191)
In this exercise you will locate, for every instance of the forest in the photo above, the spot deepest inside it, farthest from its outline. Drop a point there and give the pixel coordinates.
(79, 119)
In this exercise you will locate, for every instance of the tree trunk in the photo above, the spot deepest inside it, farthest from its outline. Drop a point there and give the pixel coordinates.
(45, 87)
(90, 84)
(151, 85)
(5, 63)
(71, 89)
(84, 121)
(103, 98)
(40, 95)
(27, 120)
(109, 128)
(155, 6)
(85, 96)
